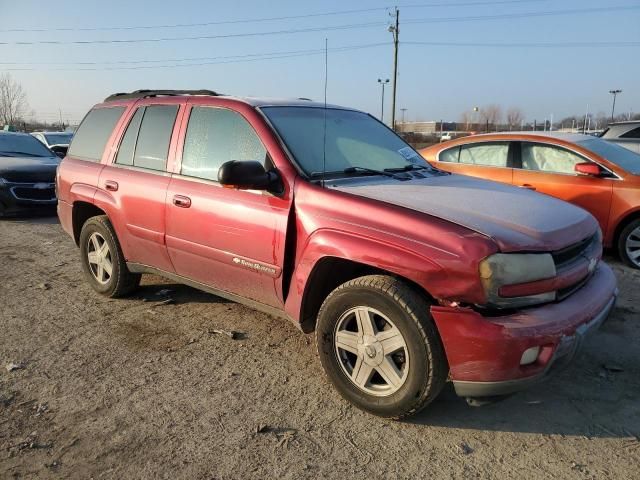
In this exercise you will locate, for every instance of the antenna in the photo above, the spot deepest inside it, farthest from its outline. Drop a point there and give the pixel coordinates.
(324, 134)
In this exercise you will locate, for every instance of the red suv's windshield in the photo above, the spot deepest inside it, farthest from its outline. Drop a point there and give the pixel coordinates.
(353, 139)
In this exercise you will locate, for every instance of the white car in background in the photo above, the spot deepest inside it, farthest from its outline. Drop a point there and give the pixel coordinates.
(58, 142)
(446, 136)
(625, 134)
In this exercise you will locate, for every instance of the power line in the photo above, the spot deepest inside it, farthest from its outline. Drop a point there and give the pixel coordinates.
(235, 59)
(503, 16)
(267, 19)
(202, 61)
(197, 37)
(195, 59)
(326, 28)
(529, 45)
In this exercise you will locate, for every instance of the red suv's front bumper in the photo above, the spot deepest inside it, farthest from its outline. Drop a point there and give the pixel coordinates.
(484, 352)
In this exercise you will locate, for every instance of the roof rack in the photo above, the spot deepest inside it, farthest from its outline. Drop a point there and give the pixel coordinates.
(157, 93)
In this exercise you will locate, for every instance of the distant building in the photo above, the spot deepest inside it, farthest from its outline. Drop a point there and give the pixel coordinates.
(425, 128)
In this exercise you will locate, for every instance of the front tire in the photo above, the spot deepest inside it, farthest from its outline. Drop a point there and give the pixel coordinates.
(379, 346)
(629, 244)
(102, 260)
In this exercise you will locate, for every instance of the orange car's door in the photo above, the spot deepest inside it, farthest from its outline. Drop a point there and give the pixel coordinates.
(550, 169)
(488, 160)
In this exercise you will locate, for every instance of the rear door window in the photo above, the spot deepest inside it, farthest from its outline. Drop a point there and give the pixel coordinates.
(215, 136)
(145, 143)
(128, 144)
(94, 132)
(488, 154)
(154, 136)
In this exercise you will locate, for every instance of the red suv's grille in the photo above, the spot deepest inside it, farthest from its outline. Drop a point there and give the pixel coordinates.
(580, 257)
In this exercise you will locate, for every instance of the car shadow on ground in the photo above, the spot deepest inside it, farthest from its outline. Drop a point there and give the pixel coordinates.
(156, 289)
(542, 410)
(36, 219)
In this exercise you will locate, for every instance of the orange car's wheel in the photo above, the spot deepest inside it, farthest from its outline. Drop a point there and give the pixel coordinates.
(629, 244)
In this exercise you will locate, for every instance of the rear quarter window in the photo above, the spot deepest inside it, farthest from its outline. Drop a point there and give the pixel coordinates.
(94, 132)
(635, 133)
(451, 155)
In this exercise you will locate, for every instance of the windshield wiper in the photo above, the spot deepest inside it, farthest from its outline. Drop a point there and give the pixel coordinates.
(384, 172)
(408, 168)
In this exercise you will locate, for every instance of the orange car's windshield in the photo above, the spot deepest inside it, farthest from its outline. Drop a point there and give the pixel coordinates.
(624, 158)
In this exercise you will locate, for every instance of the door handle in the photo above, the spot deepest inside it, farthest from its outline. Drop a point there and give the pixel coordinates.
(111, 185)
(527, 186)
(181, 201)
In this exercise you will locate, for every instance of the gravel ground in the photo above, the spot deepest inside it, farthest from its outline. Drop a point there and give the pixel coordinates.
(132, 388)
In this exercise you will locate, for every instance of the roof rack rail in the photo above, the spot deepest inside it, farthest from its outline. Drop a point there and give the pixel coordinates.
(158, 93)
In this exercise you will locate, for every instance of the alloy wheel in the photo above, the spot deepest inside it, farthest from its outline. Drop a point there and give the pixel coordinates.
(99, 258)
(372, 351)
(632, 246)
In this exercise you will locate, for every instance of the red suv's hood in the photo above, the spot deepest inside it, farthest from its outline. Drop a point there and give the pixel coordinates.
(517, 219)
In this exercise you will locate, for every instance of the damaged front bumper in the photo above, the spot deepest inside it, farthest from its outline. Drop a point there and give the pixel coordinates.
(484, 353)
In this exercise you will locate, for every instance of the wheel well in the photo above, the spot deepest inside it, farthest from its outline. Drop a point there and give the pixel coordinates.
(328, 274)
(83, 211)
(622, 225)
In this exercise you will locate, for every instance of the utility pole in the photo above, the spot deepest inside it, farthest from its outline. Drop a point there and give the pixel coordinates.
(383, 83)
(613, 107)
(584, 125)
(395, 30)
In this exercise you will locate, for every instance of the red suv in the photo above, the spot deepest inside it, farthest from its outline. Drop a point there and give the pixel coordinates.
(409, 276)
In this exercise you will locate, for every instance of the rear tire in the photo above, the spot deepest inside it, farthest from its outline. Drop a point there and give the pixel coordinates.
(379, 346)
(102, 260)
(629, 244)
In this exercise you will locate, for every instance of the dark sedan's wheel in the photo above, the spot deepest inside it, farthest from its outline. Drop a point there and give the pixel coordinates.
(379, 347)
(629, 244)
(102, 259)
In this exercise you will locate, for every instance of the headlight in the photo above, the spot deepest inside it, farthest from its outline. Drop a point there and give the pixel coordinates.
(506, 278)
(3, 182)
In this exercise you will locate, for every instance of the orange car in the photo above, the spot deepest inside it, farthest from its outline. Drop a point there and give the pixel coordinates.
(592, 173)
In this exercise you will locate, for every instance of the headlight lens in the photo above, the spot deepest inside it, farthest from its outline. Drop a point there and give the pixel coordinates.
(504, 269)
(3, 182)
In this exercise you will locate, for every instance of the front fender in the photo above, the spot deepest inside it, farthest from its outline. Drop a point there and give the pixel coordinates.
(367, 251)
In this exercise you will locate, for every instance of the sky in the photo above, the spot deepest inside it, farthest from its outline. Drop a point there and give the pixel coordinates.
(463, 60)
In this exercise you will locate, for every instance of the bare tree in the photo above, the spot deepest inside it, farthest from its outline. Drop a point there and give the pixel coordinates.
(514, 117)
(466, 118)
(13, 100)
(491, 114)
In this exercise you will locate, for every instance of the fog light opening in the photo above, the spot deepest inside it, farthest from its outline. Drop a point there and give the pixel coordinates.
(530, 355)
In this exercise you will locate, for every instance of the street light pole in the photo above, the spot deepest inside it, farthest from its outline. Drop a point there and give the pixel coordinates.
(613, 107)
(383, 83)
(395, 30)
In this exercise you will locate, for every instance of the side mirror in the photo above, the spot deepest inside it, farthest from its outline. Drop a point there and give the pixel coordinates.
(587, 168)
(249, 175)
(59, 150)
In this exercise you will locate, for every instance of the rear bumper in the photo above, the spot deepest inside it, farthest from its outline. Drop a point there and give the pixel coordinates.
(484, 352)
(65, 215)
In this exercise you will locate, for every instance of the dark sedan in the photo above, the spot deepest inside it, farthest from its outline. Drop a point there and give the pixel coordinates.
(27, 175)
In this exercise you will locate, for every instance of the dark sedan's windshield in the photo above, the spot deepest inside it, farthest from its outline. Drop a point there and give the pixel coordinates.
(58, 138)
(16, 145)
(624, 158)
(353, 139)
